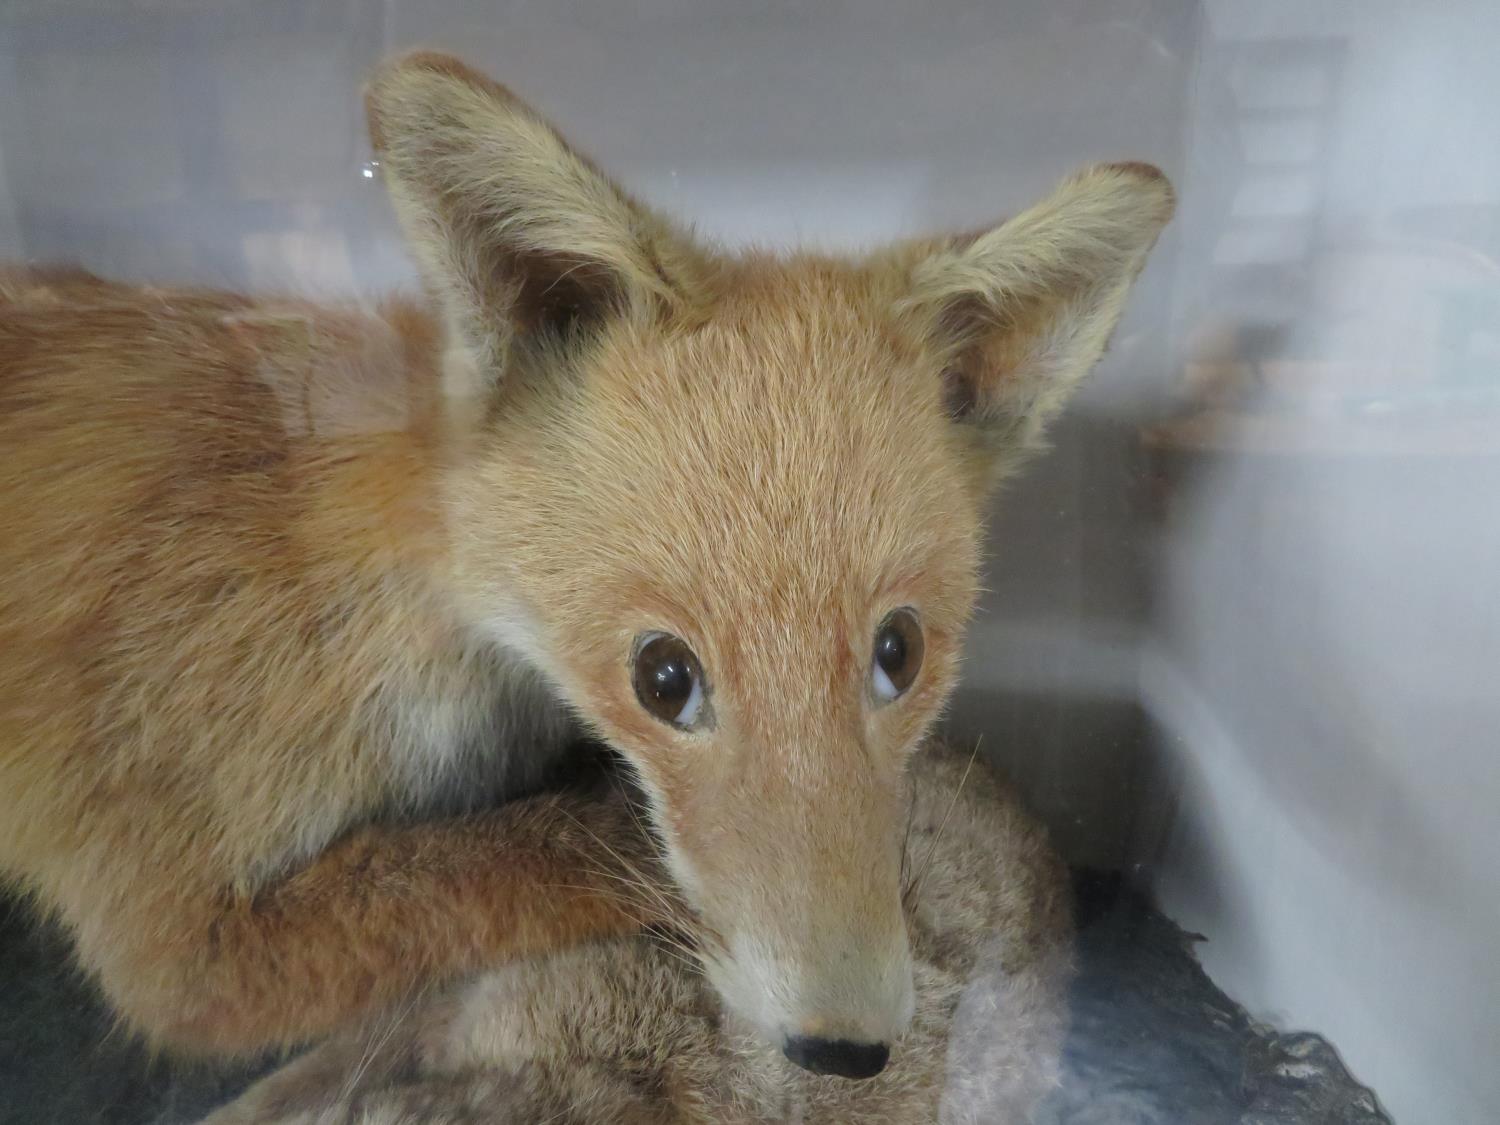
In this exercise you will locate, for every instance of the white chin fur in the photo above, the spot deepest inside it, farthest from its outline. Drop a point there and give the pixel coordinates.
(778, 1000)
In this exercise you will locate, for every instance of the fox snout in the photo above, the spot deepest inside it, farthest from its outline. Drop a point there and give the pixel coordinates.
(837, 1009)
(793, 860)
(837, 1015)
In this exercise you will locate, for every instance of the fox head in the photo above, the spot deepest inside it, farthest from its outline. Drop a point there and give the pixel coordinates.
(731, 506)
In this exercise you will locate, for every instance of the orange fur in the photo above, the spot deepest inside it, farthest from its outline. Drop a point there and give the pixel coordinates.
(289, 595)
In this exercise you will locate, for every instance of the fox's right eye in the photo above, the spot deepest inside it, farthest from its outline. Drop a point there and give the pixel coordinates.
(669, 680)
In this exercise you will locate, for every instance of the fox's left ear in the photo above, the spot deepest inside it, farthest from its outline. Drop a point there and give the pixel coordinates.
(1023, 311)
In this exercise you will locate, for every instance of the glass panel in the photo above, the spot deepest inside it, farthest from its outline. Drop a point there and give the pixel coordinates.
(1240, 632)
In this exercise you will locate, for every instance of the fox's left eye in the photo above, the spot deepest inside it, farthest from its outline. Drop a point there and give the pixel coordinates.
(669, 680)
(898, 654)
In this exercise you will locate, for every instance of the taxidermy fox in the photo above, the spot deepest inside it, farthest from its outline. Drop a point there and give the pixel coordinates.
(290, 596)
(626, 1031)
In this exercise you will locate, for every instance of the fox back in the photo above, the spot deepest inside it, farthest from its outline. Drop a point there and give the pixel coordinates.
(273, 570)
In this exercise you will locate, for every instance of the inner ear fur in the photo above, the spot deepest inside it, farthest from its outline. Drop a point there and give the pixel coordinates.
(516, 235)
(1020, 313)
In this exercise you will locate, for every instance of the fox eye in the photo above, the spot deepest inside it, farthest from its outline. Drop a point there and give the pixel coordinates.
(898, 654)
(669, 680)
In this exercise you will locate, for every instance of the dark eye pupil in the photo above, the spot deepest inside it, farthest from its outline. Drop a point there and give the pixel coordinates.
(671, 681)
(898, 651)
(666, 672)
(890, 651)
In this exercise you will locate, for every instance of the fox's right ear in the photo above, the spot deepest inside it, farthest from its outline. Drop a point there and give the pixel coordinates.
(521, 240)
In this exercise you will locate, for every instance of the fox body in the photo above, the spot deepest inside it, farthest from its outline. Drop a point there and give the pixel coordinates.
(292, 596)
(626, 1031)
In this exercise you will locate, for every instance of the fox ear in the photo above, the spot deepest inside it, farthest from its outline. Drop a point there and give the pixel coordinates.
(521, 240)
(1022, 312)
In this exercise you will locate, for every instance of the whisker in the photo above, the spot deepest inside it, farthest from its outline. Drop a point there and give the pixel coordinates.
(689, 955)
(643, 882)
(644, 826)
(690, 962)
(673, 910)
(943, 824)
(911, 816)
(664, 906)
(373, 1048)
(611, 895)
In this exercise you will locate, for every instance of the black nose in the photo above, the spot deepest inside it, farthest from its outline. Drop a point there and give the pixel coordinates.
(842, 1057)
